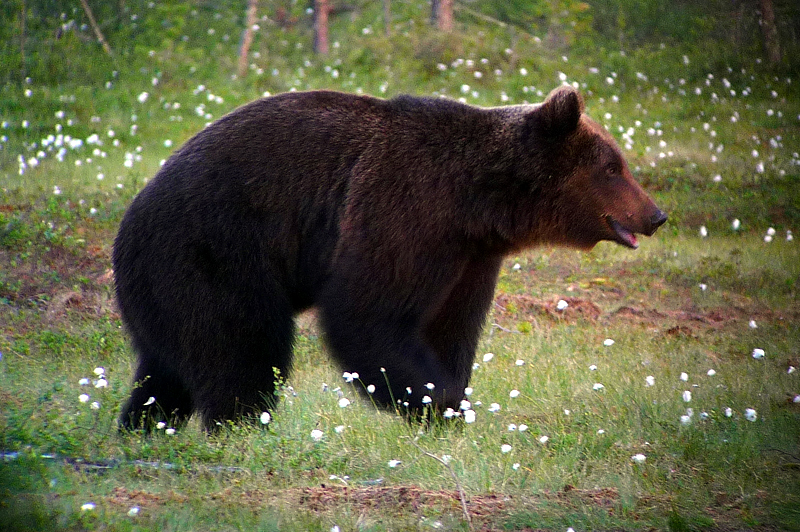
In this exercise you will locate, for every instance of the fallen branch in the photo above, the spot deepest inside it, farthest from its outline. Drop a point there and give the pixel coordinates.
(491, 20)
(498, 326)
(95, 27)
(446, 464)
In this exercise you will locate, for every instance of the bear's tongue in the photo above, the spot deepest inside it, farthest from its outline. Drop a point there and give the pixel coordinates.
(624, 236)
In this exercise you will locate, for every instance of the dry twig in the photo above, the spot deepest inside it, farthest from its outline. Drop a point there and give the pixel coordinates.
(446, 464)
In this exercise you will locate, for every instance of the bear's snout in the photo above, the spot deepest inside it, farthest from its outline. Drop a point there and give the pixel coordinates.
(656, 221)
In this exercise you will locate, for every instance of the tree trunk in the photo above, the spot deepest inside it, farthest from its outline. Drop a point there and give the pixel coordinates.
(321, 11)
(434, 12)
(247, 41)
(95, 27)
(22, 15)
(444, 17)
(770, 32)
(387, 16)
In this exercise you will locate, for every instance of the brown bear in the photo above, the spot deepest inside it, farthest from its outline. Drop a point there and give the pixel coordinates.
(391, 217)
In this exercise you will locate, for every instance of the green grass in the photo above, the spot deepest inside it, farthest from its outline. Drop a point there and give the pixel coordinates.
(58, 219)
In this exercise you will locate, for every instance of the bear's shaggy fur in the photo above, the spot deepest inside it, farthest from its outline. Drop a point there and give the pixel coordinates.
(391, 217)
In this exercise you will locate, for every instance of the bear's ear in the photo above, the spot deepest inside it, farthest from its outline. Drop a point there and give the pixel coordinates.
(557, 116)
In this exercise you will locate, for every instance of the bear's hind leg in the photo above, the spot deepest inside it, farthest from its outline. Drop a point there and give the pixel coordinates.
(255, 357)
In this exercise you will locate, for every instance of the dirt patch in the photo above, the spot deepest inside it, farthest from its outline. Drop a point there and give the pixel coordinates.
(127, 499)
(487, 511)
(603, 497)
(7, 399)
(42, 275)
(399, 498)
(510, 309)
(91, 302)
(386, 500)
(307, 324)
(392, 500)
(529, 308)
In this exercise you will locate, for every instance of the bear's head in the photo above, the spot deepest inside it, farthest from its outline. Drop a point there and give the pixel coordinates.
(579, 178)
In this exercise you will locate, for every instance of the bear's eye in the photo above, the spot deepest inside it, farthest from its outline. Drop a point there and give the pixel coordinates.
(612, 171)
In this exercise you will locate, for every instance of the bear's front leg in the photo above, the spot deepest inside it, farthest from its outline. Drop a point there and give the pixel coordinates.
(383, 341)
(454, 331)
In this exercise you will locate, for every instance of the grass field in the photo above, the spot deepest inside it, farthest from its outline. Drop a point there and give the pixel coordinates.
(644, 404)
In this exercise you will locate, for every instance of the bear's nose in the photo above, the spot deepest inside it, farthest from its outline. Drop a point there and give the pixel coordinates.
(658, 219)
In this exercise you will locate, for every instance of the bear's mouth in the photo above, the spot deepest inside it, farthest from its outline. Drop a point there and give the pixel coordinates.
(622, 235)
